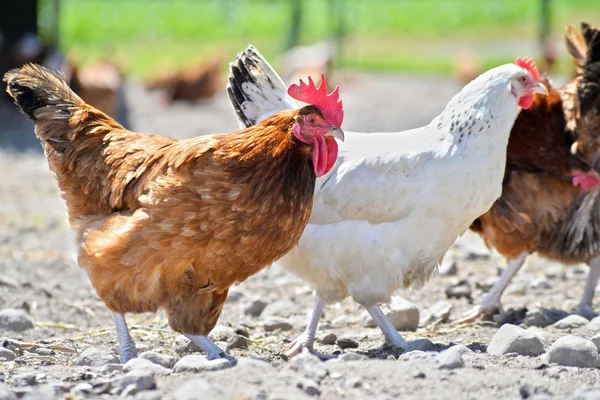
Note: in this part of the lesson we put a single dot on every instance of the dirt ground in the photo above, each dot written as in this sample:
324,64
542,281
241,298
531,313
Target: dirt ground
38,272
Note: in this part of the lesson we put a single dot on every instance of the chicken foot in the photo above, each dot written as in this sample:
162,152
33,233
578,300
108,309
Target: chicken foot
126,343
585,305
491,303
390,333
307,339
212,350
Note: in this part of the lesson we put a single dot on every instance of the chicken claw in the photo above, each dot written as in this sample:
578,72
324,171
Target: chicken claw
212,350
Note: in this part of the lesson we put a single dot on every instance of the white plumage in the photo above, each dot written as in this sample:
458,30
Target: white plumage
394,203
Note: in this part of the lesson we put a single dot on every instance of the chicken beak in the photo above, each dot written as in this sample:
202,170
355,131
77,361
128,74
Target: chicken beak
539,87
337,133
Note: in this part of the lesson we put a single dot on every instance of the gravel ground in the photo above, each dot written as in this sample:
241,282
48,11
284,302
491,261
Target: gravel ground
57,338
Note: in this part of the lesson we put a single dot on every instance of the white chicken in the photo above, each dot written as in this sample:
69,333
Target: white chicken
393,204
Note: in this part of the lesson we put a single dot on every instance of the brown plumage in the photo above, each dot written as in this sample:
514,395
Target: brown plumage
170,224
540,210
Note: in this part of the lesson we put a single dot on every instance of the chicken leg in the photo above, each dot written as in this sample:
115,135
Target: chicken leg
126,343
390,333
307,339
491,303
212,350
585,305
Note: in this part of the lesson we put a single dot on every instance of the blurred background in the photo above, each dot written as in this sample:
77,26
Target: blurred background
160,66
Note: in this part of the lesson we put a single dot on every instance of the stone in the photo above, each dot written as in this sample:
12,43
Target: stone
183,345
439,312
255,307
134,381
145,365
347,343
309,387
543,317
420,345
281,308
327,339
277,323
451,358
448,267
221,333
6,354
513,339
403,315
110,368
16,320
574,351
571,322
197,363
234,295
594,324
459,290
352,357
96,357
158,358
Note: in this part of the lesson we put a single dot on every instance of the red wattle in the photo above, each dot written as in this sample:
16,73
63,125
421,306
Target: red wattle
319,155
526,101
587,180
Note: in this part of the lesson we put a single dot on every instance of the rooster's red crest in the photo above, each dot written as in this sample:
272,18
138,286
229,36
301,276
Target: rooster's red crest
330,105
529,65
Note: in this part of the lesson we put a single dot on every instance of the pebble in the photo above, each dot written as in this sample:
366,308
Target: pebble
418,355
540,284
183,345
596,340
255,308
226,334
571,322
451,358
6,354
460,289
352,357
347,343
145,365
574,351
274,323
513,339
16,320
439,312
327,339
281,308
160,359
594,324
82,388
109,368
448,267
234,295
420,345
403,315
134,381
195,389
96,357
309,387
197,363
543,317
11,344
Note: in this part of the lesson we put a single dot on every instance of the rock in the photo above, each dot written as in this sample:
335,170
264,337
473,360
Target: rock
403,315
352,357
461,348
309,387
274,323
252,365
95,357
82,388
183,345
8,281
234,295
513,339
347,343
439,312
197,363
596,340
148,395
281,308
16,320
451,358
327,339
255,308
543,317
134,381
594,324
158,358
418,355
6,393
448,267
528,391
460,289
226,334
195,389
7,354
540,284
574,351
145,365
420,345
11,344
109,368
571,322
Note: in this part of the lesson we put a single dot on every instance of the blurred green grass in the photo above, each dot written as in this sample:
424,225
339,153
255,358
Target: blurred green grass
145,37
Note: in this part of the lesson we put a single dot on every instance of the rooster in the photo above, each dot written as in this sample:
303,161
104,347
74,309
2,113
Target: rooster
540,210
168,224
395,202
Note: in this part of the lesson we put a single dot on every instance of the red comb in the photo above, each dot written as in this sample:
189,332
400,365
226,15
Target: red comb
330,105
529,65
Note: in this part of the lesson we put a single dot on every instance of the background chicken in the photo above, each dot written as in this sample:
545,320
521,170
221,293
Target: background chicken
173,224
395,202
540,210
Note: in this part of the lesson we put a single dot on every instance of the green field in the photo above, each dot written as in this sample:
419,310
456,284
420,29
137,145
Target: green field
418,35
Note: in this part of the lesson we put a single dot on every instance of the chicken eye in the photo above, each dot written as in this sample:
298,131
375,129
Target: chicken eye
523,79
312,120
